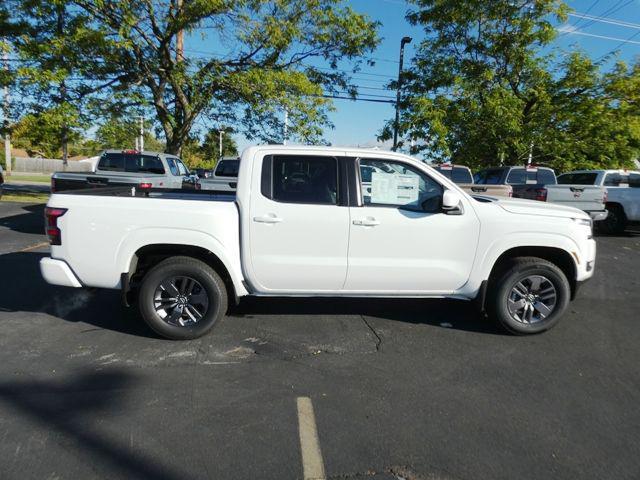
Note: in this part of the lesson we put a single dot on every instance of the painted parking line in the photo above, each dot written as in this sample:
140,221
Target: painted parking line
312,464
35,247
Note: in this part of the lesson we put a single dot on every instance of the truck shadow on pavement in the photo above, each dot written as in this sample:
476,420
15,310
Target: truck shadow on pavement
74,408
30,221
28,292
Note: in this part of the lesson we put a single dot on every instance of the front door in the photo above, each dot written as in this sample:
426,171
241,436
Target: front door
401,241
299,233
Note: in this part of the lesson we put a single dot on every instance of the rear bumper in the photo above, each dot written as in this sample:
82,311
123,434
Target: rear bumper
57,272
599,215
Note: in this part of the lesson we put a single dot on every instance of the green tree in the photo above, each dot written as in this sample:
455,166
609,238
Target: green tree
210,147
267,69
480,90
122,133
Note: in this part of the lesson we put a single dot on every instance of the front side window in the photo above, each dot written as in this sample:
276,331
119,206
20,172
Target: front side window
303,179
389,183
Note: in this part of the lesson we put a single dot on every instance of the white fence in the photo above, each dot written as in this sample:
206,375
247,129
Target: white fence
48,165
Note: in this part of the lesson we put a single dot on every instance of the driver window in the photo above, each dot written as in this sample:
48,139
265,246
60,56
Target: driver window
388,183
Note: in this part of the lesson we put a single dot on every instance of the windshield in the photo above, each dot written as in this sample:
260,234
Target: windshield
130,162
228,168
457,174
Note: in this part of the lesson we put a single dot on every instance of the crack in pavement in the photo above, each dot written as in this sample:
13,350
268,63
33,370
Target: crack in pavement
378,338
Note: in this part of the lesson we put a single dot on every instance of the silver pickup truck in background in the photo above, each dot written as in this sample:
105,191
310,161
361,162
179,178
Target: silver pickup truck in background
623,194
129,168
463,177
540,183
224,177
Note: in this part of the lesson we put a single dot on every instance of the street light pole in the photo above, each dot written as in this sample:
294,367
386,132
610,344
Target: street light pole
396,124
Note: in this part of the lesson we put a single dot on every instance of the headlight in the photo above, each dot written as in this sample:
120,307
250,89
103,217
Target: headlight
586,222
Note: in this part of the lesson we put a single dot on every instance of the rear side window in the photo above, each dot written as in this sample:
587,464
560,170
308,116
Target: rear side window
577,179
634,180
228,168
301,179
130,162
173,167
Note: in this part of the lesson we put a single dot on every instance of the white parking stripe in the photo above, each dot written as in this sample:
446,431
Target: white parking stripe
312,464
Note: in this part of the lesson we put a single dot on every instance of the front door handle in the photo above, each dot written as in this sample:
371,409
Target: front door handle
271,218
367,222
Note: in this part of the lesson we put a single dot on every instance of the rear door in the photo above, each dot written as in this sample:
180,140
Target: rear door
299,224
401,242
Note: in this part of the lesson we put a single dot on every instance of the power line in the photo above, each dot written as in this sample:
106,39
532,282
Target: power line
624,42
611,21
604,37
609,11
586,13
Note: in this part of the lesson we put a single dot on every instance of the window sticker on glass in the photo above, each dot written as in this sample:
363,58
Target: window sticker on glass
394,189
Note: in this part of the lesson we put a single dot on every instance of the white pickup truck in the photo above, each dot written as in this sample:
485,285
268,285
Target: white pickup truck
301,224
623,194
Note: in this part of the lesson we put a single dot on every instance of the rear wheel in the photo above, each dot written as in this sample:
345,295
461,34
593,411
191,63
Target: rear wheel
182,298
616,220
529,296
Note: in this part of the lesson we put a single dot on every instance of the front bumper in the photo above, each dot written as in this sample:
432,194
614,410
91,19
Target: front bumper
599,215
57,272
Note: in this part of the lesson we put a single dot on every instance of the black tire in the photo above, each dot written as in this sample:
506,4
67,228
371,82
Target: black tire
502,289
207,282
616,221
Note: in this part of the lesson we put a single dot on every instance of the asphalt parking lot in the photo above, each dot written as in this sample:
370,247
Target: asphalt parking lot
411,389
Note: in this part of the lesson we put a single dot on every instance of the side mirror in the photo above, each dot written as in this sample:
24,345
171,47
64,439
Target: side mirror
452,203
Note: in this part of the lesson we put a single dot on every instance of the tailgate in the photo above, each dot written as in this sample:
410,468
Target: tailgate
585,197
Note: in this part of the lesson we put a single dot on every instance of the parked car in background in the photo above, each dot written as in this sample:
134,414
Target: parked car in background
132,169
623,194
202,172
540,183
225,176
462,176
301,224
1,180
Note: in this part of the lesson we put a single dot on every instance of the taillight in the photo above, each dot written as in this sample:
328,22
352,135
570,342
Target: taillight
198,186
145,186
51,216
510,191
541,194
605,197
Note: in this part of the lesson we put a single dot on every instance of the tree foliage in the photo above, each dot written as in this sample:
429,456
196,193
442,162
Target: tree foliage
481,90
260,68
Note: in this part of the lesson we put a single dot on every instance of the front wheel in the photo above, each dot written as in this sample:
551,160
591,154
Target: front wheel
182,298
529,296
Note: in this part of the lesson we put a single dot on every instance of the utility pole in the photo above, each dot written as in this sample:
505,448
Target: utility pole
220,142
63,91
179,36
286,126
141,141
396,124
7,135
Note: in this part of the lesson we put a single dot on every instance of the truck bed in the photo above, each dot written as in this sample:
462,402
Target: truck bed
158,193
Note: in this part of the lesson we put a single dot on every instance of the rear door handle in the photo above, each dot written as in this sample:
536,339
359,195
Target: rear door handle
366,222
272,218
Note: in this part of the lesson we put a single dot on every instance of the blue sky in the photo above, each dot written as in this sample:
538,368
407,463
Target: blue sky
357,123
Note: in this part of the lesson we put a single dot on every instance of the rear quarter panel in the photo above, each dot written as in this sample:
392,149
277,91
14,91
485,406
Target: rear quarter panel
101,234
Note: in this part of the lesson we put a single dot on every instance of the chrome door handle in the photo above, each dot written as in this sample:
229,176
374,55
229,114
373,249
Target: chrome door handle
267,219
367,222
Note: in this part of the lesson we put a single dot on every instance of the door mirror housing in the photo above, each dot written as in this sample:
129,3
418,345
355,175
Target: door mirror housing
452,202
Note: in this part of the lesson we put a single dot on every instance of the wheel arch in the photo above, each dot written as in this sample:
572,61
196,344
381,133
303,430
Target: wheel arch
563,259
146,257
